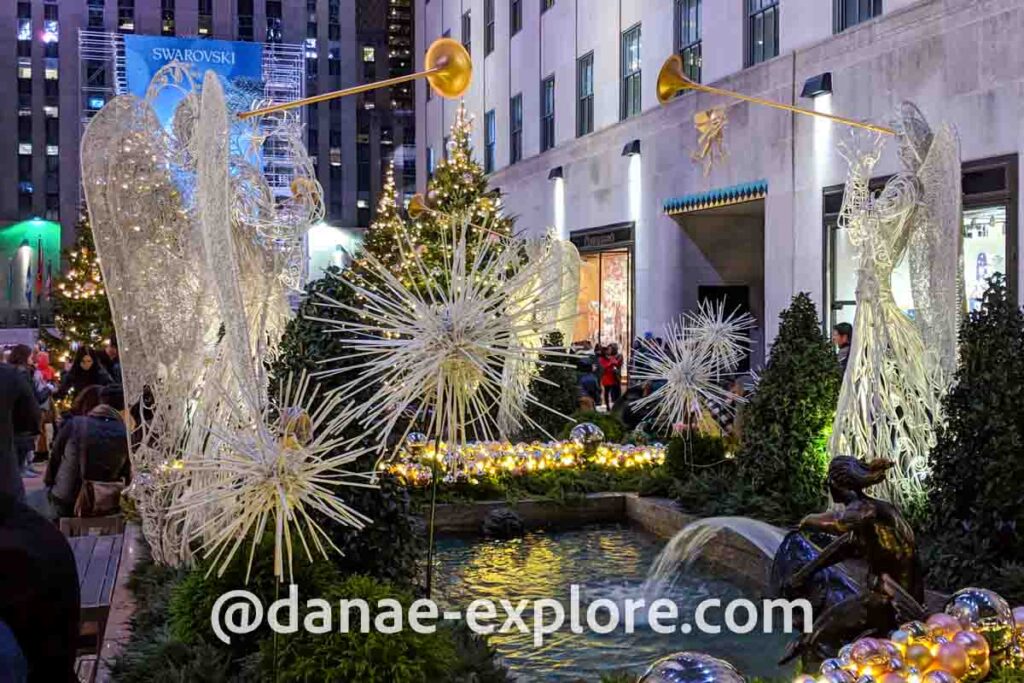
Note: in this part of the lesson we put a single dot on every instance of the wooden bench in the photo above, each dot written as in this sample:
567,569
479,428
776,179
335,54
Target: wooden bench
97,559
95,526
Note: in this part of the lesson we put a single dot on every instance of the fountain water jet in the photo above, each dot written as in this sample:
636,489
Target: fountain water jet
689,543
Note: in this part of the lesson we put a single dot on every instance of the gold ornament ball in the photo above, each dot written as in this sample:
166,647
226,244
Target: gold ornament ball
974,644
919,656
839,676
939,676
892,677
891,648
901,638
915,630
944,625
952,658
865,651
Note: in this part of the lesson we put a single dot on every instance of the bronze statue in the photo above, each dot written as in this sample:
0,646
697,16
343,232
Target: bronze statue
858,528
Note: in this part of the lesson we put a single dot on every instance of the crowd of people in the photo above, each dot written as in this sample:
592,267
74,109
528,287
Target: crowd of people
75,422
74,419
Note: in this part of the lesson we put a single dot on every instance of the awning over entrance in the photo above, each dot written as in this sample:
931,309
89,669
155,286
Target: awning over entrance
737,194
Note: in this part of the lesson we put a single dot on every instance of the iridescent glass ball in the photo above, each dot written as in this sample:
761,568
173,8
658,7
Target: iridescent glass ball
985,612
691,667
416,443
587,434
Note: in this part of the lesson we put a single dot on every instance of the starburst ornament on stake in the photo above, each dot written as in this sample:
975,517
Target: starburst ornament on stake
698,351
281,469
439,349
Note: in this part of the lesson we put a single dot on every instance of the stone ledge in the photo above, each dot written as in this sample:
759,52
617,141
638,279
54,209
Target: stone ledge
596,508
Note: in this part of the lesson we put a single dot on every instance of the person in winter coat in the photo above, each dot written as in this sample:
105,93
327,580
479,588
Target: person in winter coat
85,371
19,414
611,368
100,438
39,596
25,442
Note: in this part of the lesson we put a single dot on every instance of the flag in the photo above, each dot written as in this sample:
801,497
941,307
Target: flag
28,285
48,289
39,273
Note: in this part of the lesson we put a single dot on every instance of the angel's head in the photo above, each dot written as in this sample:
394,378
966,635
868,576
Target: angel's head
915,136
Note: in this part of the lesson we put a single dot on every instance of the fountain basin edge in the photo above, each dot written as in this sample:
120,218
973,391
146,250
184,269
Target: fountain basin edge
728,556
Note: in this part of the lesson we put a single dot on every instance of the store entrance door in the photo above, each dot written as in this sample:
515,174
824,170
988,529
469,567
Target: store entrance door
605,303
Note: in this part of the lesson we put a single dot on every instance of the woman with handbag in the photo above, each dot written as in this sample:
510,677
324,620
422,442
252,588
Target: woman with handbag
93,467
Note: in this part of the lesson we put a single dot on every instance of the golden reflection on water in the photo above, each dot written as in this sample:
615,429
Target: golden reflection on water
607,562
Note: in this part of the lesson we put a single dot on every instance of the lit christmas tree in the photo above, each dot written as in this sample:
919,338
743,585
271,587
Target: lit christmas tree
459,186
81,309
389,237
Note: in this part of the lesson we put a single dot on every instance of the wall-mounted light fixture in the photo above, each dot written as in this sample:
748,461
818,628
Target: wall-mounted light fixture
556,173
632,148
818,85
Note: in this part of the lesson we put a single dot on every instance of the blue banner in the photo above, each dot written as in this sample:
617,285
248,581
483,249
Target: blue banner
239,64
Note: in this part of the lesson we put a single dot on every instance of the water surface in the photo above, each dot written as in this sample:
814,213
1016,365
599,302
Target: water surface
607,562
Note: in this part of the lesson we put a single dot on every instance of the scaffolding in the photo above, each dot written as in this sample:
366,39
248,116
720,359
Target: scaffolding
104,76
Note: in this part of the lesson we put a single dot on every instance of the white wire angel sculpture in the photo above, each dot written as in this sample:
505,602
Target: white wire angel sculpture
890,401
198,252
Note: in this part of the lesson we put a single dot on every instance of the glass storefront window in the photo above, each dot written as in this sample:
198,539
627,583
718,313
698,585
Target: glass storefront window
984,233
984,250
606,299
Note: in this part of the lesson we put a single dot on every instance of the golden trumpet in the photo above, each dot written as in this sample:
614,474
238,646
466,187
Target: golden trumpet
449,70
672,80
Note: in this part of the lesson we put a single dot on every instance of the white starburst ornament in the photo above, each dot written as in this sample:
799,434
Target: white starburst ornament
281,468
688,369
440,352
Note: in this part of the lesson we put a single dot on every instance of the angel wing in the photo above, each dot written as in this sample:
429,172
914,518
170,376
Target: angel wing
213,198
936,249
146,239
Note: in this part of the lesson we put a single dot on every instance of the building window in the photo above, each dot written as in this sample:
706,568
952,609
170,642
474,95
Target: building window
515,16
24,148
430,162
515,128
167,17
467,30
545,5
205,17
245,20
762,30
989,232
126,16
50,70
547,113
688,37
369,53
488,27
847,13
95,14
274,33
630,72
490,141
585,94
